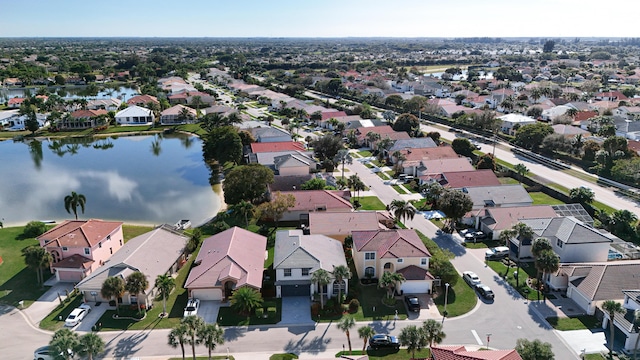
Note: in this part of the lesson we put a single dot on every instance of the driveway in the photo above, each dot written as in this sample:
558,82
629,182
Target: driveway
48,301
96,313
296,310
209,310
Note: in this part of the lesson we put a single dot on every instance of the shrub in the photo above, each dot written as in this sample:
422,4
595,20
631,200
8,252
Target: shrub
354,304
315,309
34,229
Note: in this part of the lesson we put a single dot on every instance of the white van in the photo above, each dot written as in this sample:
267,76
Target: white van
499,252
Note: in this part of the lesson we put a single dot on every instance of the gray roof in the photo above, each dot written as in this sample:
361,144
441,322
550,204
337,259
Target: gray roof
603,280
295,250
413,143
488,196
267,132
567,229
269,158
152,253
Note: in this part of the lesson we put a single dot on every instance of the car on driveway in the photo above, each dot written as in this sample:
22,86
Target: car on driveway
471,278
192,307
379,341
497,253
413,304
475,235
485,291
77,315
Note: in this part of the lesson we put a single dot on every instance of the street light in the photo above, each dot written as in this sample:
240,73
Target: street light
446,294
488,338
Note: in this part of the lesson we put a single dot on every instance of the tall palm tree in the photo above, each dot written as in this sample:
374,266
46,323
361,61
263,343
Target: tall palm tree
402,210
347,323
245,300
322,278
71,203
611,308
164,284
64,341
244,209
341,273
413,338
178,337
37,258
90,344
343,156
522,232
113,287
390,280
547,261
522,170
136,283
433,332
366,333
372,137
193,324
211,335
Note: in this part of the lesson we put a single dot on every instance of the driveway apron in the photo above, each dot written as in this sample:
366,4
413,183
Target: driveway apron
296,310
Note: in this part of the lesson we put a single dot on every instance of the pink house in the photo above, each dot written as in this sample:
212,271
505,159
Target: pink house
79,247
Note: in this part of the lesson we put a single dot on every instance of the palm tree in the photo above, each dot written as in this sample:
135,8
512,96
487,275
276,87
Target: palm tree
113,287
322,278
245,300
372,137
433,332
90,344
37,258
178,336
636,326
64,341
71,202
343,156
193,324
347,323
413,338
402,209
546,261
340,273
521,169
522,232
365,333
211,335
136,283
390,280
164,284
244,209
611,308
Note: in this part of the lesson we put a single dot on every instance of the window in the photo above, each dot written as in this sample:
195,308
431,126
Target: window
370,256
305,271
120,242
64,248
339,286
369,272
287,272
110,250
423,261
108,237
400,261
87,251
559,243
100,244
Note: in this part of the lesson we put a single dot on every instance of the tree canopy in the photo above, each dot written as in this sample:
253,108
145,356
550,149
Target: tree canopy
248,183
530,136
407,122
223,144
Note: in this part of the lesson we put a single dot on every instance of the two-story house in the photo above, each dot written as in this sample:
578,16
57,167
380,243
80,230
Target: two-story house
79,247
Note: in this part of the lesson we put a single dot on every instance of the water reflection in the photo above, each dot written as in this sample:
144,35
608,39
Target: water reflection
120,177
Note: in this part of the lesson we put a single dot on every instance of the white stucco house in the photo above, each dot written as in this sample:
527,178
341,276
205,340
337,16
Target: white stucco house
135,115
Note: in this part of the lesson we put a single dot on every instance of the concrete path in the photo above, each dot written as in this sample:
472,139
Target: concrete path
48,301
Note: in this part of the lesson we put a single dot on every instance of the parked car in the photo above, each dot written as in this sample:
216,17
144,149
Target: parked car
47,353
413,304
384,341
192,307
496,253
77,315
485,291
471,278
475,235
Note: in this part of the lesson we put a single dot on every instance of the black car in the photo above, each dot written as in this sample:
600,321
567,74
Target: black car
384,341
413,304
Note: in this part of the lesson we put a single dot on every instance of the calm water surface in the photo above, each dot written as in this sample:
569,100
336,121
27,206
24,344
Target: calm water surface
136,179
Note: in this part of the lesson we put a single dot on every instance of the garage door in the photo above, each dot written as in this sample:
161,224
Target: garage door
207,294
296,290
415,287
69,276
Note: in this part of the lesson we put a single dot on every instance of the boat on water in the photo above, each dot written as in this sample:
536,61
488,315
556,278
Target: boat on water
183,224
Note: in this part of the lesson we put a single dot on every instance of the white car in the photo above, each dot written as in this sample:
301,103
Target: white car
47,353
77,315
192,307
471,278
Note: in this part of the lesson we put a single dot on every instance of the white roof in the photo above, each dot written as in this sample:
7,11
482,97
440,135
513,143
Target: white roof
134,110
517,118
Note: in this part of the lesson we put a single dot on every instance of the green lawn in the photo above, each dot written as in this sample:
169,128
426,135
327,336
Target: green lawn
482,244
55,320
365,153
131,231
460,300
574,323
382,175
283,356
508,181
371,306
526,271
399,189
540,198
386,354
272,307
371,203
594,357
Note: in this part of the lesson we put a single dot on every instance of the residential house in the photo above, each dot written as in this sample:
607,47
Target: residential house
627,128
570,238
629,112
432,170
569,130
294,164
461,179
166,246
14,103
340,225
270,134
609,96
277,146
414,159
227,261
511,122
104,104
498,196
178,114
297,256
308,201
411,144
555,112
79,247
397,250
135,115
82,119
459,352
625,322
495,219
188,97
17,122
142,100
288,183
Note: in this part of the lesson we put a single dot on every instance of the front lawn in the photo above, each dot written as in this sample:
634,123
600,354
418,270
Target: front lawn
371,306
270,307
575,323
386,354
55,320
482,244
364,153
400,190
540,198
526,271
370,203
460,300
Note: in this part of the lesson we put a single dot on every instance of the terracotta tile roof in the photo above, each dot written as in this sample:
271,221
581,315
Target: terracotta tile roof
585,115
428,168
326,115
142,99
14,101
397,243
310,200
634,145
453,352
603,280
343,223
80,114
234,253
498,218
440,152
74,261
413,272
79,233
276,146
459,179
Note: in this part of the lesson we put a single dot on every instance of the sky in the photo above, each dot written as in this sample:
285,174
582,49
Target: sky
318,18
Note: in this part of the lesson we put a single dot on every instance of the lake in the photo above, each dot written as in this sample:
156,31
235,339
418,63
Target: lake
136,179
72,92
